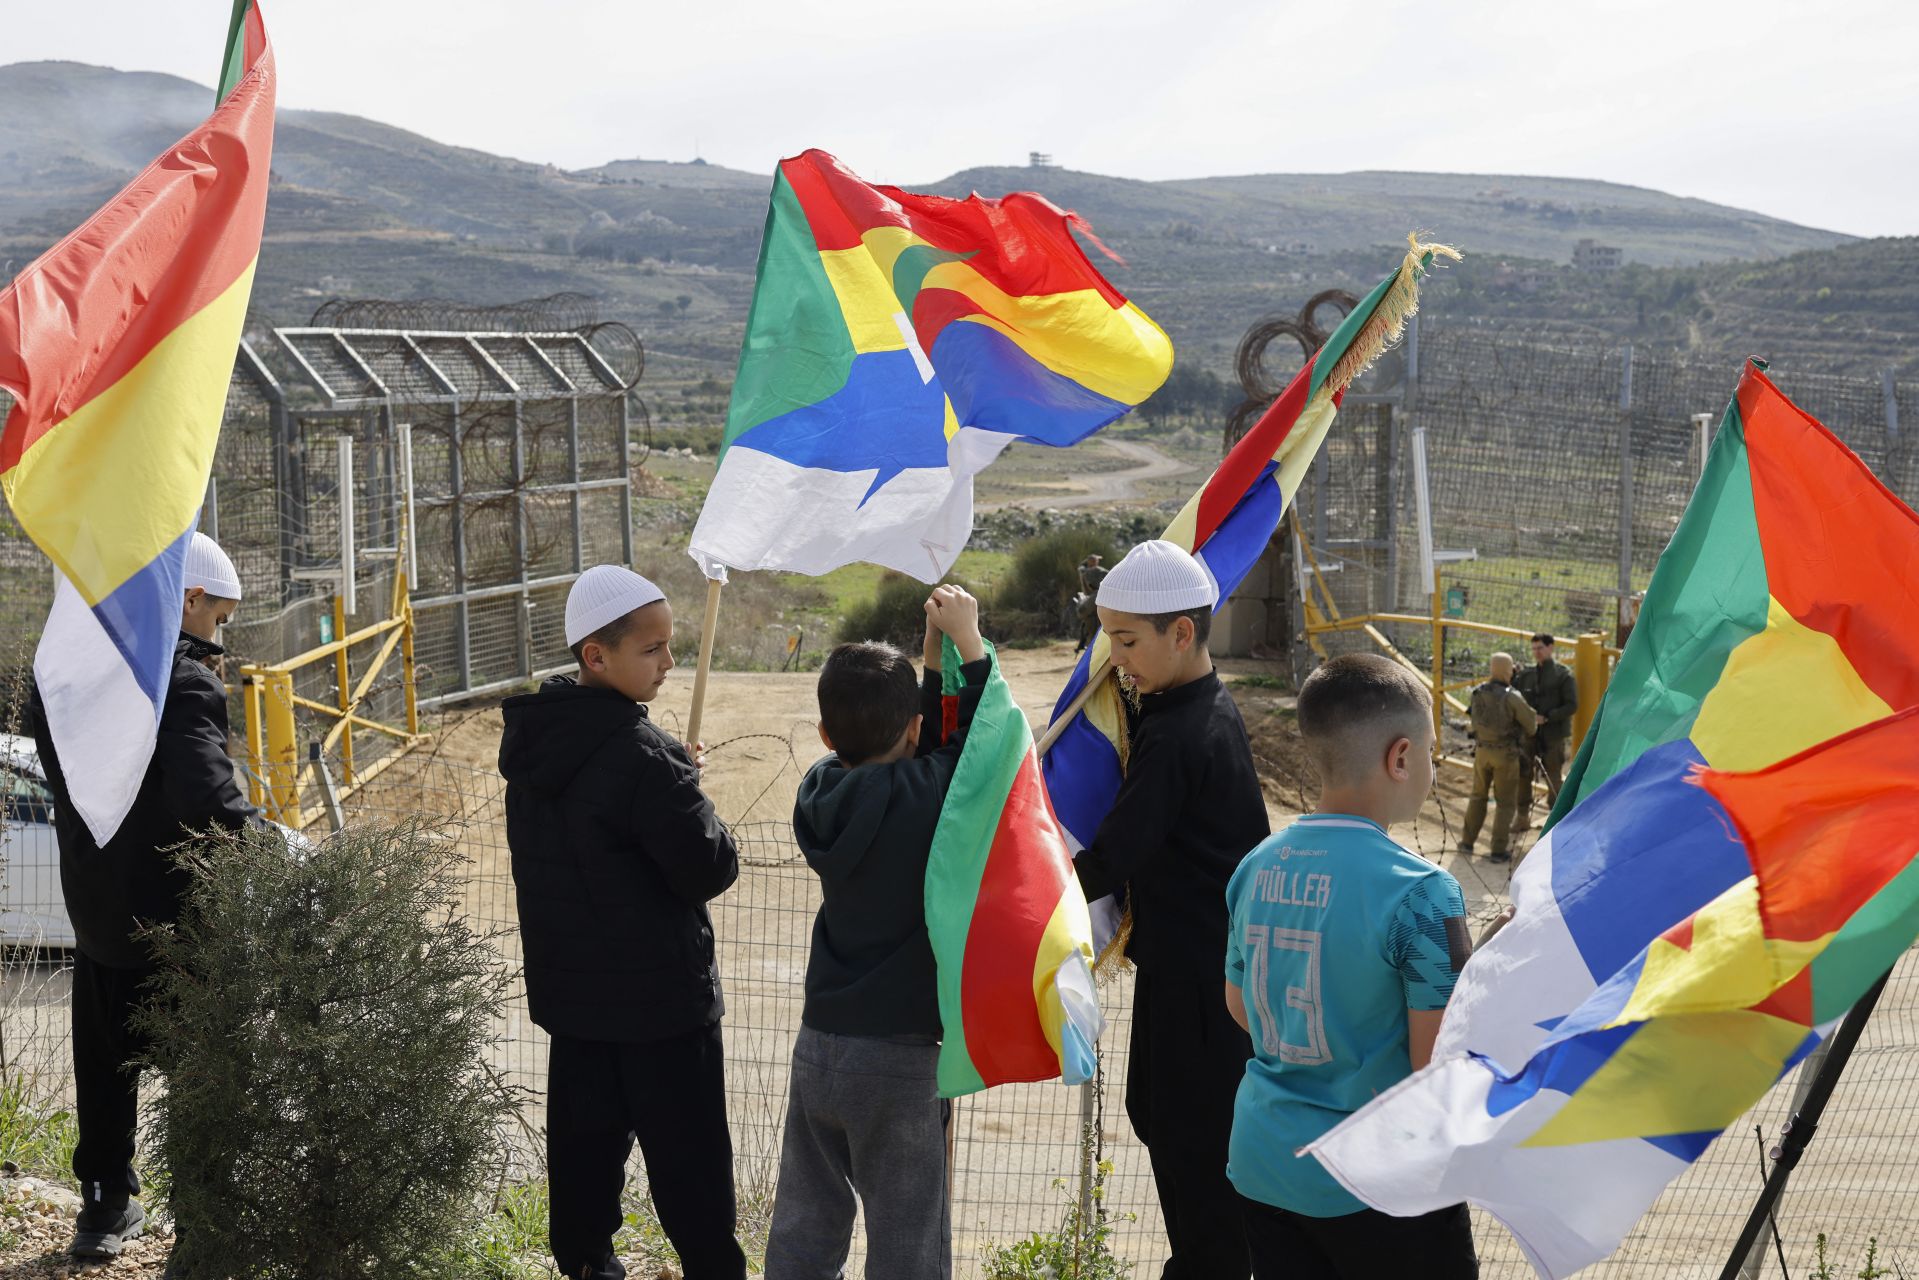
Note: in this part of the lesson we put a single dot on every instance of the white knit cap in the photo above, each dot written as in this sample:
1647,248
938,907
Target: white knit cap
1158,577
209,569
603,593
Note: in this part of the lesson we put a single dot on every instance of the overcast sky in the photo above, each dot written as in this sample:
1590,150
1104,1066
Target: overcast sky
1803,111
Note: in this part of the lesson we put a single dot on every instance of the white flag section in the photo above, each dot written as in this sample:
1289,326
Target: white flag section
103,723
1439,1138
765,512
1534,1036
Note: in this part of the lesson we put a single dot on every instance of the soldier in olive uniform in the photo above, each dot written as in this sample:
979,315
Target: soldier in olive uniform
1551,691
1091,574
1503,724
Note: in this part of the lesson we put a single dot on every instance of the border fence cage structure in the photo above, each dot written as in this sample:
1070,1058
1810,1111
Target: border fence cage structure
1561,470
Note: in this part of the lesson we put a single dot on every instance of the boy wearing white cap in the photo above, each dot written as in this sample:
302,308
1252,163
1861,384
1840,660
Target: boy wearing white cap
616,852
1189,809
115,889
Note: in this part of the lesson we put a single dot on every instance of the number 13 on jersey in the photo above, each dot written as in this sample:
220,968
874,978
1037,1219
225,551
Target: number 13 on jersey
1261,941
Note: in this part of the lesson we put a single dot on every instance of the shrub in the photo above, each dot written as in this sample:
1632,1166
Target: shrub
896,614
1080,1250
321,1021
1035,597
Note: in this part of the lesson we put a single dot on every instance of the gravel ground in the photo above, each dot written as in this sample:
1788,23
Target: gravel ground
36,1225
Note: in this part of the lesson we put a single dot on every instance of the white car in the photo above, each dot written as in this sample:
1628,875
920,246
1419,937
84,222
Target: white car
33,911
33,907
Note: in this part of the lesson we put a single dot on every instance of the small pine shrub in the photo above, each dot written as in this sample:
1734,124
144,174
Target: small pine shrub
321,1021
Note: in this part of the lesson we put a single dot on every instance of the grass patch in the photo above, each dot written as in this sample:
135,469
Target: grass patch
509,1241
39,1139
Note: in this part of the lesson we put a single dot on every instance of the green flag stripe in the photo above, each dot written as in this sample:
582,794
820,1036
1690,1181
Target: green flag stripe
797,349
234,64
1327,357
1708,593
1866,945
995,745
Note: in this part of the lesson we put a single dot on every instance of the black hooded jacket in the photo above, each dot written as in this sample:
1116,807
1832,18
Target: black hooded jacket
114,889
866,832
616,852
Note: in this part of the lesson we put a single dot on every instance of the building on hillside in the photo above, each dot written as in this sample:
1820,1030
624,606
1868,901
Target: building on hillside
1590,255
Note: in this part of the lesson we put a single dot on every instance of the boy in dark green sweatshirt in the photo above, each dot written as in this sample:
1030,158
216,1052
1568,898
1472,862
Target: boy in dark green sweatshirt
865,1119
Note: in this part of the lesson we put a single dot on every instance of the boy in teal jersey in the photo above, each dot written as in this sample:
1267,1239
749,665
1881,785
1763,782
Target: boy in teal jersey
1342,952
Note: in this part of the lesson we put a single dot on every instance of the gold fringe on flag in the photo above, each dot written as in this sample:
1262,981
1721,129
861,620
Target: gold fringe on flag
1380,331
1388,321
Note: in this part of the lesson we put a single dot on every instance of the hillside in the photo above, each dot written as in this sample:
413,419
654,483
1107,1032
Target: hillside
1331,212
360,208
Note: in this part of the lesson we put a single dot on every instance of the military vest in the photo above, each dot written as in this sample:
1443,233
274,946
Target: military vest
1492,715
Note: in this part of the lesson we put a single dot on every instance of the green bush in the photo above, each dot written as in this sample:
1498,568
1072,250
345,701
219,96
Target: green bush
1036,595
1079,1250
895,615
322,1020
37,1138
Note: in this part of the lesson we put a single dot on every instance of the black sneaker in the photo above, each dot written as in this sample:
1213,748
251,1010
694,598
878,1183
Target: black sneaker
101,1231
1466,848
1499,855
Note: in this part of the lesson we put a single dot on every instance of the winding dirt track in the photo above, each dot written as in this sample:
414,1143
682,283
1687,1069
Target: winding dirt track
1102,487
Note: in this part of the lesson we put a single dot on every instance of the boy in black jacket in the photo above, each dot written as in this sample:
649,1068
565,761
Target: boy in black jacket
865,1118
112,890
1188,811
616,852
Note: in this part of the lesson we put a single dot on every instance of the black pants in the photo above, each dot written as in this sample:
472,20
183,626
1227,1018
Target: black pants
1187,1057
671,1095
1368,1245
106,1086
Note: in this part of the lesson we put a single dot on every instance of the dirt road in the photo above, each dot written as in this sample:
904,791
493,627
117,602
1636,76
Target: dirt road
1097,488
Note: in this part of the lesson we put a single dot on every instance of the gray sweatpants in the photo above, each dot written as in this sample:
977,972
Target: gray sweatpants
865,1119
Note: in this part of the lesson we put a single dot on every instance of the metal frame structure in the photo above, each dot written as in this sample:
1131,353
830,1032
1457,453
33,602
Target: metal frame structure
376,377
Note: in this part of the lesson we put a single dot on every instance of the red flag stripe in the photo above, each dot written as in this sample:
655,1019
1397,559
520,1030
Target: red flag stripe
80,329
1026,875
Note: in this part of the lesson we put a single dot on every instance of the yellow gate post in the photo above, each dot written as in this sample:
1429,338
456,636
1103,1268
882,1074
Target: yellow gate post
343,677
282,751
1439,665
403,609
1591,673
250,695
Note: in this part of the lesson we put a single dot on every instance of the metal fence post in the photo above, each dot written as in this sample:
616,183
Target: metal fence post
1625,473
524,631
407,514
456,440
1891,387
626,489
347,567
573,475
1088,1158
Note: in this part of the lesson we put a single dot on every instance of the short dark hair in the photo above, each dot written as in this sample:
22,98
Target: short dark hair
607,636
1543,637
1354,706
1202,618
868,695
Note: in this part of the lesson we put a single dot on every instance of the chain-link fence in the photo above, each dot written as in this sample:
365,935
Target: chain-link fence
1556,475
1018,1153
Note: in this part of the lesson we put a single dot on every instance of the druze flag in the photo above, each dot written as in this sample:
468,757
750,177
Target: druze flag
1005,914
1227,525
1730,868
896,344
117,345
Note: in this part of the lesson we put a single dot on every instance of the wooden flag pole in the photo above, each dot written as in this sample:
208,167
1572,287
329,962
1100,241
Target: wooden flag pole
708,626
1073,708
